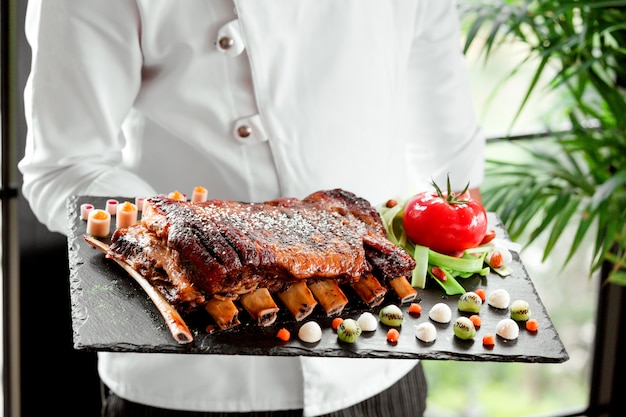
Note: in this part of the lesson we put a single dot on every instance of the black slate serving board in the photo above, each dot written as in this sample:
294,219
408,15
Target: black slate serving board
110,312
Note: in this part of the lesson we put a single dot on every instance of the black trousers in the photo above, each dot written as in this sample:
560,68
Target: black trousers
406,398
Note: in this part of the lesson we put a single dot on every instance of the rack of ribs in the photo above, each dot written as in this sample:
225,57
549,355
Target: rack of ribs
210,254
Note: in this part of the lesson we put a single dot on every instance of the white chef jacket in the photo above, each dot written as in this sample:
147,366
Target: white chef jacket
252,100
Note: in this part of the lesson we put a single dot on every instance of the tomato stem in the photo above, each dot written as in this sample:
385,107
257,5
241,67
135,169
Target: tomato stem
451,197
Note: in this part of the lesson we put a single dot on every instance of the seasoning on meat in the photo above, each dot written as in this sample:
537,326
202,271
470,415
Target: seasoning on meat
196,252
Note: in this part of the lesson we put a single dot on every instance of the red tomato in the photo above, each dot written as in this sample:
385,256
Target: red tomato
445,223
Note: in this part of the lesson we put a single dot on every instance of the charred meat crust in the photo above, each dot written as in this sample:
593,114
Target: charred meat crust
147,255
225,248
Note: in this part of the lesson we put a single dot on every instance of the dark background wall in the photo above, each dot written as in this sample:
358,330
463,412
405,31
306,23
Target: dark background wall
51,368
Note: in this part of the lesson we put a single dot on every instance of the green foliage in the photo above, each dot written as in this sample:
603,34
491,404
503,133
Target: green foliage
495,389
581,176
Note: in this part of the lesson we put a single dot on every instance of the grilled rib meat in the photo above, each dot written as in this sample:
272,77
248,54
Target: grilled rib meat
196,251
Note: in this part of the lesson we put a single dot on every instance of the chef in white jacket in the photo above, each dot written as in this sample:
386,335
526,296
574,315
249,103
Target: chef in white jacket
252,100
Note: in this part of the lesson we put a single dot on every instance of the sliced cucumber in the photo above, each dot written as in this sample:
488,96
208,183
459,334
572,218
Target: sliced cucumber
483,272
418,278
390,218
451,286
463,264
503,271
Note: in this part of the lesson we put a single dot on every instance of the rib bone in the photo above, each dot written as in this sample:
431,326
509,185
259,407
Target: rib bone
177,326
260,305
299,300
370,290
330,296
403,289
224,312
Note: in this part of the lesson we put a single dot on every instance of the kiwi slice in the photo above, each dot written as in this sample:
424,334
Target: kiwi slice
520,310
391,315
464,328
349,331
470,302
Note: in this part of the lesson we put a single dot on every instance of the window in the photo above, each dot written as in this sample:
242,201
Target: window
570,294
496,389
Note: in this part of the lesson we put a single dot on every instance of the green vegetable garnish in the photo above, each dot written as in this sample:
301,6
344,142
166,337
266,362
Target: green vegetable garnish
473,261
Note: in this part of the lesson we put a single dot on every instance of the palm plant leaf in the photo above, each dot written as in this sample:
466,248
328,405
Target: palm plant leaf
531,88
619,278
581,43
609,224
585,222
560,224
552,211
606,190
527,208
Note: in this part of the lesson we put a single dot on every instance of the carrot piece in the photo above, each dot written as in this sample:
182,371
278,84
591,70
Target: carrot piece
481,293
438,273
336,322
532,325
393,335
489,236
475,318
489,340
283,334
415,309
391,203
496,260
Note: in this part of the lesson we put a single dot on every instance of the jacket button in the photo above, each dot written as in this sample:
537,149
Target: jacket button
226,42
244,131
